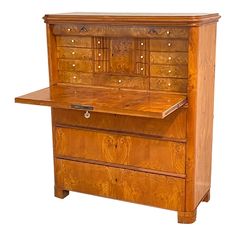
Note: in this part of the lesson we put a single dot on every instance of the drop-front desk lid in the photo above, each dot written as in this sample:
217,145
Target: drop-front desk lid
107,100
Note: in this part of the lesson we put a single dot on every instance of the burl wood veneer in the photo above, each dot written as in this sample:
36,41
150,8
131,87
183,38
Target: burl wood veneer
132,106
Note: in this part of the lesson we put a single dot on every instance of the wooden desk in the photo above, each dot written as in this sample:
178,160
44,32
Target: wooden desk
132,106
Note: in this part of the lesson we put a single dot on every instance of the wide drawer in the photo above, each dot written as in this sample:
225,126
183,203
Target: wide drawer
74,53
75,65
121,31
71,41
168,45
180,58
133,186
170,71
110,147
173,127
169,84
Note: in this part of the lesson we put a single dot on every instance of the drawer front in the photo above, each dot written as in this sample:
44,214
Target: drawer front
170,71
75,77
172,127
75,65
122,81
108,147
133,186
180,58
170,45
74,53
169,84
71,41
121,31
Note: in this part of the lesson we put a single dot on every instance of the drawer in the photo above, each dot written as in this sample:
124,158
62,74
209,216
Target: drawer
180,58
75,77
169,84
122,81
170,45
81,42
114,148
121,31
75,65
121,184
172,127
74,53
180,71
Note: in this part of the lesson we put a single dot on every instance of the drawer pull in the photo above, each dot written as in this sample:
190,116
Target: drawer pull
82,107
87,114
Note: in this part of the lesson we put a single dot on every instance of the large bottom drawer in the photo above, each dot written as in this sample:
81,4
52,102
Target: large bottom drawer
133,186
111,147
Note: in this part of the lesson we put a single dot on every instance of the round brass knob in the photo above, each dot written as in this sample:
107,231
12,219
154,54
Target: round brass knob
99,54
169,84
141,57
68,29
119,80
169,58
73,65
99,67
141,43
73,53
87,114
169,71
169,44
167,32
74,77
99,42
72,40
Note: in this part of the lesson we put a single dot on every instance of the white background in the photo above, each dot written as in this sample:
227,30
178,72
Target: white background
27,204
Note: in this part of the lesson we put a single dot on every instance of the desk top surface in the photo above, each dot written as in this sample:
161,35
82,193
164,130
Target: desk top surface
107,100
135,18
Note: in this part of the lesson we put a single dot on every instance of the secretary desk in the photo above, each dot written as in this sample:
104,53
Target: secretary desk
131,99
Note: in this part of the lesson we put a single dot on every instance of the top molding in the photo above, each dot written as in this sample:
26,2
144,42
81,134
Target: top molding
176,19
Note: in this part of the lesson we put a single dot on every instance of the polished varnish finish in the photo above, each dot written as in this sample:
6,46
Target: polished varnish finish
132,97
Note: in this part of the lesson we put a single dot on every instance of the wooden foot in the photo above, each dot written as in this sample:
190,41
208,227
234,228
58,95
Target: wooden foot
206,197
187,217
60,193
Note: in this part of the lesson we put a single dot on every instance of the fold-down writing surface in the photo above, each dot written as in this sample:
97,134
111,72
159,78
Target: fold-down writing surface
107,100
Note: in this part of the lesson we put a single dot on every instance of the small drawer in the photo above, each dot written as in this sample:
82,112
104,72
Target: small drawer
169,58
120,149
75,65
167,84
75,77
74,41
170,45
170,71
142,69
123,184
74,53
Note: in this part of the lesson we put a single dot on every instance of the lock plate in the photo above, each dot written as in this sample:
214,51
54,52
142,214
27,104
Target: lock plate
82,107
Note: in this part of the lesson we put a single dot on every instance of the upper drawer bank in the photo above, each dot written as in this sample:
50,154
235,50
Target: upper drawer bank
121,30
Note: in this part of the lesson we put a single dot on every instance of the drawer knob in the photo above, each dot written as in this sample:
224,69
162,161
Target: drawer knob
73,53
74,77
69,29
141,43
169,84
87,114
99,42
169,71
169,58
141,68
99,67
72,40
119,81
169,44
141,57
99,54
73,65
168,32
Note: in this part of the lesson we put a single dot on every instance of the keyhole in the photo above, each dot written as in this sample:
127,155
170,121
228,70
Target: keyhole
116,146
116,179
